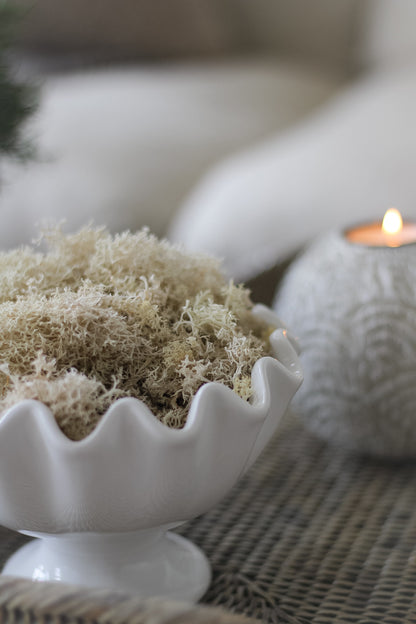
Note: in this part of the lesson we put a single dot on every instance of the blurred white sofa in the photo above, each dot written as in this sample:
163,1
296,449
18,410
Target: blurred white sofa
136,106
238,128
125,146
345,163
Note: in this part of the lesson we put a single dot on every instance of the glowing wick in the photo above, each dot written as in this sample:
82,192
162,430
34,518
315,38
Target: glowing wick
392,221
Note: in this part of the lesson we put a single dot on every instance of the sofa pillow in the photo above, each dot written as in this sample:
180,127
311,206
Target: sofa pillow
124,147
347,163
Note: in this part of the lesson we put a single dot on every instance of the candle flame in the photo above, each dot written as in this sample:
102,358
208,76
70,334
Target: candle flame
392,221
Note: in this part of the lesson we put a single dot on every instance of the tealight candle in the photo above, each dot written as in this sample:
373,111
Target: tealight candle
391,232
351,300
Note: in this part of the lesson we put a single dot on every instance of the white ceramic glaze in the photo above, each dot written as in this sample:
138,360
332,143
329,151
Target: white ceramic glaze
102,506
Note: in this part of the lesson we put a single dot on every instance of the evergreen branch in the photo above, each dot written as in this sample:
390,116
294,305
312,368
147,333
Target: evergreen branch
17,99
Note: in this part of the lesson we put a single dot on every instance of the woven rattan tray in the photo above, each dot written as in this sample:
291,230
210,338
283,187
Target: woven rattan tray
311,534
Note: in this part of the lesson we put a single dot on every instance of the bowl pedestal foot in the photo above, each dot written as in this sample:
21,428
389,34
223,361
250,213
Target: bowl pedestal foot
147,563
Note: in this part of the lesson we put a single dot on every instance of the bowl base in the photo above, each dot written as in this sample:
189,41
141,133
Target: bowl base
146,563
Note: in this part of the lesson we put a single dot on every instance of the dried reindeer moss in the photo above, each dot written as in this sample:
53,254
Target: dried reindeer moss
95,318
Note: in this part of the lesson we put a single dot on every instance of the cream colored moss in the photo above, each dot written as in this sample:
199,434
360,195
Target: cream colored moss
93,318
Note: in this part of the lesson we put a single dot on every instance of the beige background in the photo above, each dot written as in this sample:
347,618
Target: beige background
322,30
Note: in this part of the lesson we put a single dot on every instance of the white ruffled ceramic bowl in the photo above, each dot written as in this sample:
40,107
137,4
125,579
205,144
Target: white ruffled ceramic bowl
103,506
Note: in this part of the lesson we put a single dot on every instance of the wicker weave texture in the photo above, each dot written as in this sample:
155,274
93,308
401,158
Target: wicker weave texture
315,534
22,601
312,534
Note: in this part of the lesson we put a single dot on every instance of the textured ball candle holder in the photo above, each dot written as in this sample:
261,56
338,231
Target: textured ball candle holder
351,301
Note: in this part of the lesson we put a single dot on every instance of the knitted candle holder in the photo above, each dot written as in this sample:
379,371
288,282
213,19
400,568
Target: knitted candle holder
353,309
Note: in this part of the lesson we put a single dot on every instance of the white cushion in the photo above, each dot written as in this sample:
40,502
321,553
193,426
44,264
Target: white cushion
125,147
347,163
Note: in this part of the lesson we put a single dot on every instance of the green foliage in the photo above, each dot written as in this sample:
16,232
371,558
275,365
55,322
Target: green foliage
17,100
